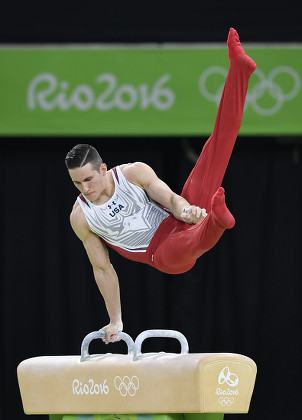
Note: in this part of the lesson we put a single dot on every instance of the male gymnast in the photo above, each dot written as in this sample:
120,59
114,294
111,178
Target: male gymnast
131,210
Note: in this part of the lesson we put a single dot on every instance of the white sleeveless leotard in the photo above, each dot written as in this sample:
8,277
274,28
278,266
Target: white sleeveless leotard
129,219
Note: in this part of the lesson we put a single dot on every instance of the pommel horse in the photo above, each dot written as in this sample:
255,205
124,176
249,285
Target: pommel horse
190,385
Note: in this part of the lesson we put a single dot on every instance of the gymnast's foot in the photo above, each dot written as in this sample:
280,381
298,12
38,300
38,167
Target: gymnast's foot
221,214
236,50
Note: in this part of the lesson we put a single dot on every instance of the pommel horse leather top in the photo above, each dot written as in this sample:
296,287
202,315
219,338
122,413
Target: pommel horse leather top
137,382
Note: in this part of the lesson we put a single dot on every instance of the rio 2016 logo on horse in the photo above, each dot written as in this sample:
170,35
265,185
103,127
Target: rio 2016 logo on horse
227,396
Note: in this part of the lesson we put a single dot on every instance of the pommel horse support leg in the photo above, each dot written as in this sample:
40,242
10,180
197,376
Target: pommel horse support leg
160,386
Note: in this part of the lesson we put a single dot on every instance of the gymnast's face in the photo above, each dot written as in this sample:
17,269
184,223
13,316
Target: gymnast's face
89,181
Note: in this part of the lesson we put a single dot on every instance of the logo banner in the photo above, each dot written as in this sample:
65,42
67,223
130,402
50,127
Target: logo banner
150,91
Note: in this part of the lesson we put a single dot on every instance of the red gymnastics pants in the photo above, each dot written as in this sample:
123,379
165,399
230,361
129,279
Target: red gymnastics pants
176,245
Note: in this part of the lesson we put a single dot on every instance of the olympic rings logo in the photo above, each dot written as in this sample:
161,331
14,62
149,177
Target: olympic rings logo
226,401
266,85
126,385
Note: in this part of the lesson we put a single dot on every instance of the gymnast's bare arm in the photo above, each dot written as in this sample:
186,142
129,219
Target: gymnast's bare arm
104,273
144,176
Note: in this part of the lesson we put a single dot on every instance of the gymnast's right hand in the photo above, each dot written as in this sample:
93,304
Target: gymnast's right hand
193,214
111,331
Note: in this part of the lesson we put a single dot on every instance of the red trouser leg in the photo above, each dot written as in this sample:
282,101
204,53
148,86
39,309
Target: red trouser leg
176,245
206,177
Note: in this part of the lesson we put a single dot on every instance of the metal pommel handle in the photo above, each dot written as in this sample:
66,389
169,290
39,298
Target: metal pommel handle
161,334
102,334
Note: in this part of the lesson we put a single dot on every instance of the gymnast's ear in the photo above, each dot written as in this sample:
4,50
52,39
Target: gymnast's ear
103,168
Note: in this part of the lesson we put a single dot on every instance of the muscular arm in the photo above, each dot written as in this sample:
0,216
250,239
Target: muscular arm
143,175
104,273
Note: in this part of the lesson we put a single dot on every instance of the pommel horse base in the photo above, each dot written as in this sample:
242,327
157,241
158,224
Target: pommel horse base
197,386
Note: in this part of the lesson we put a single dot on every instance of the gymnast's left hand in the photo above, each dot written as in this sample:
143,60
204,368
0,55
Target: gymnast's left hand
111,331
193,214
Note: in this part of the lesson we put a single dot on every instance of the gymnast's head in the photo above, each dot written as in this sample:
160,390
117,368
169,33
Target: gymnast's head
82,154
87,170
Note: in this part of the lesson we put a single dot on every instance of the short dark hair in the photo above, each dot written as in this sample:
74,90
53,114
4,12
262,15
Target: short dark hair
81,154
